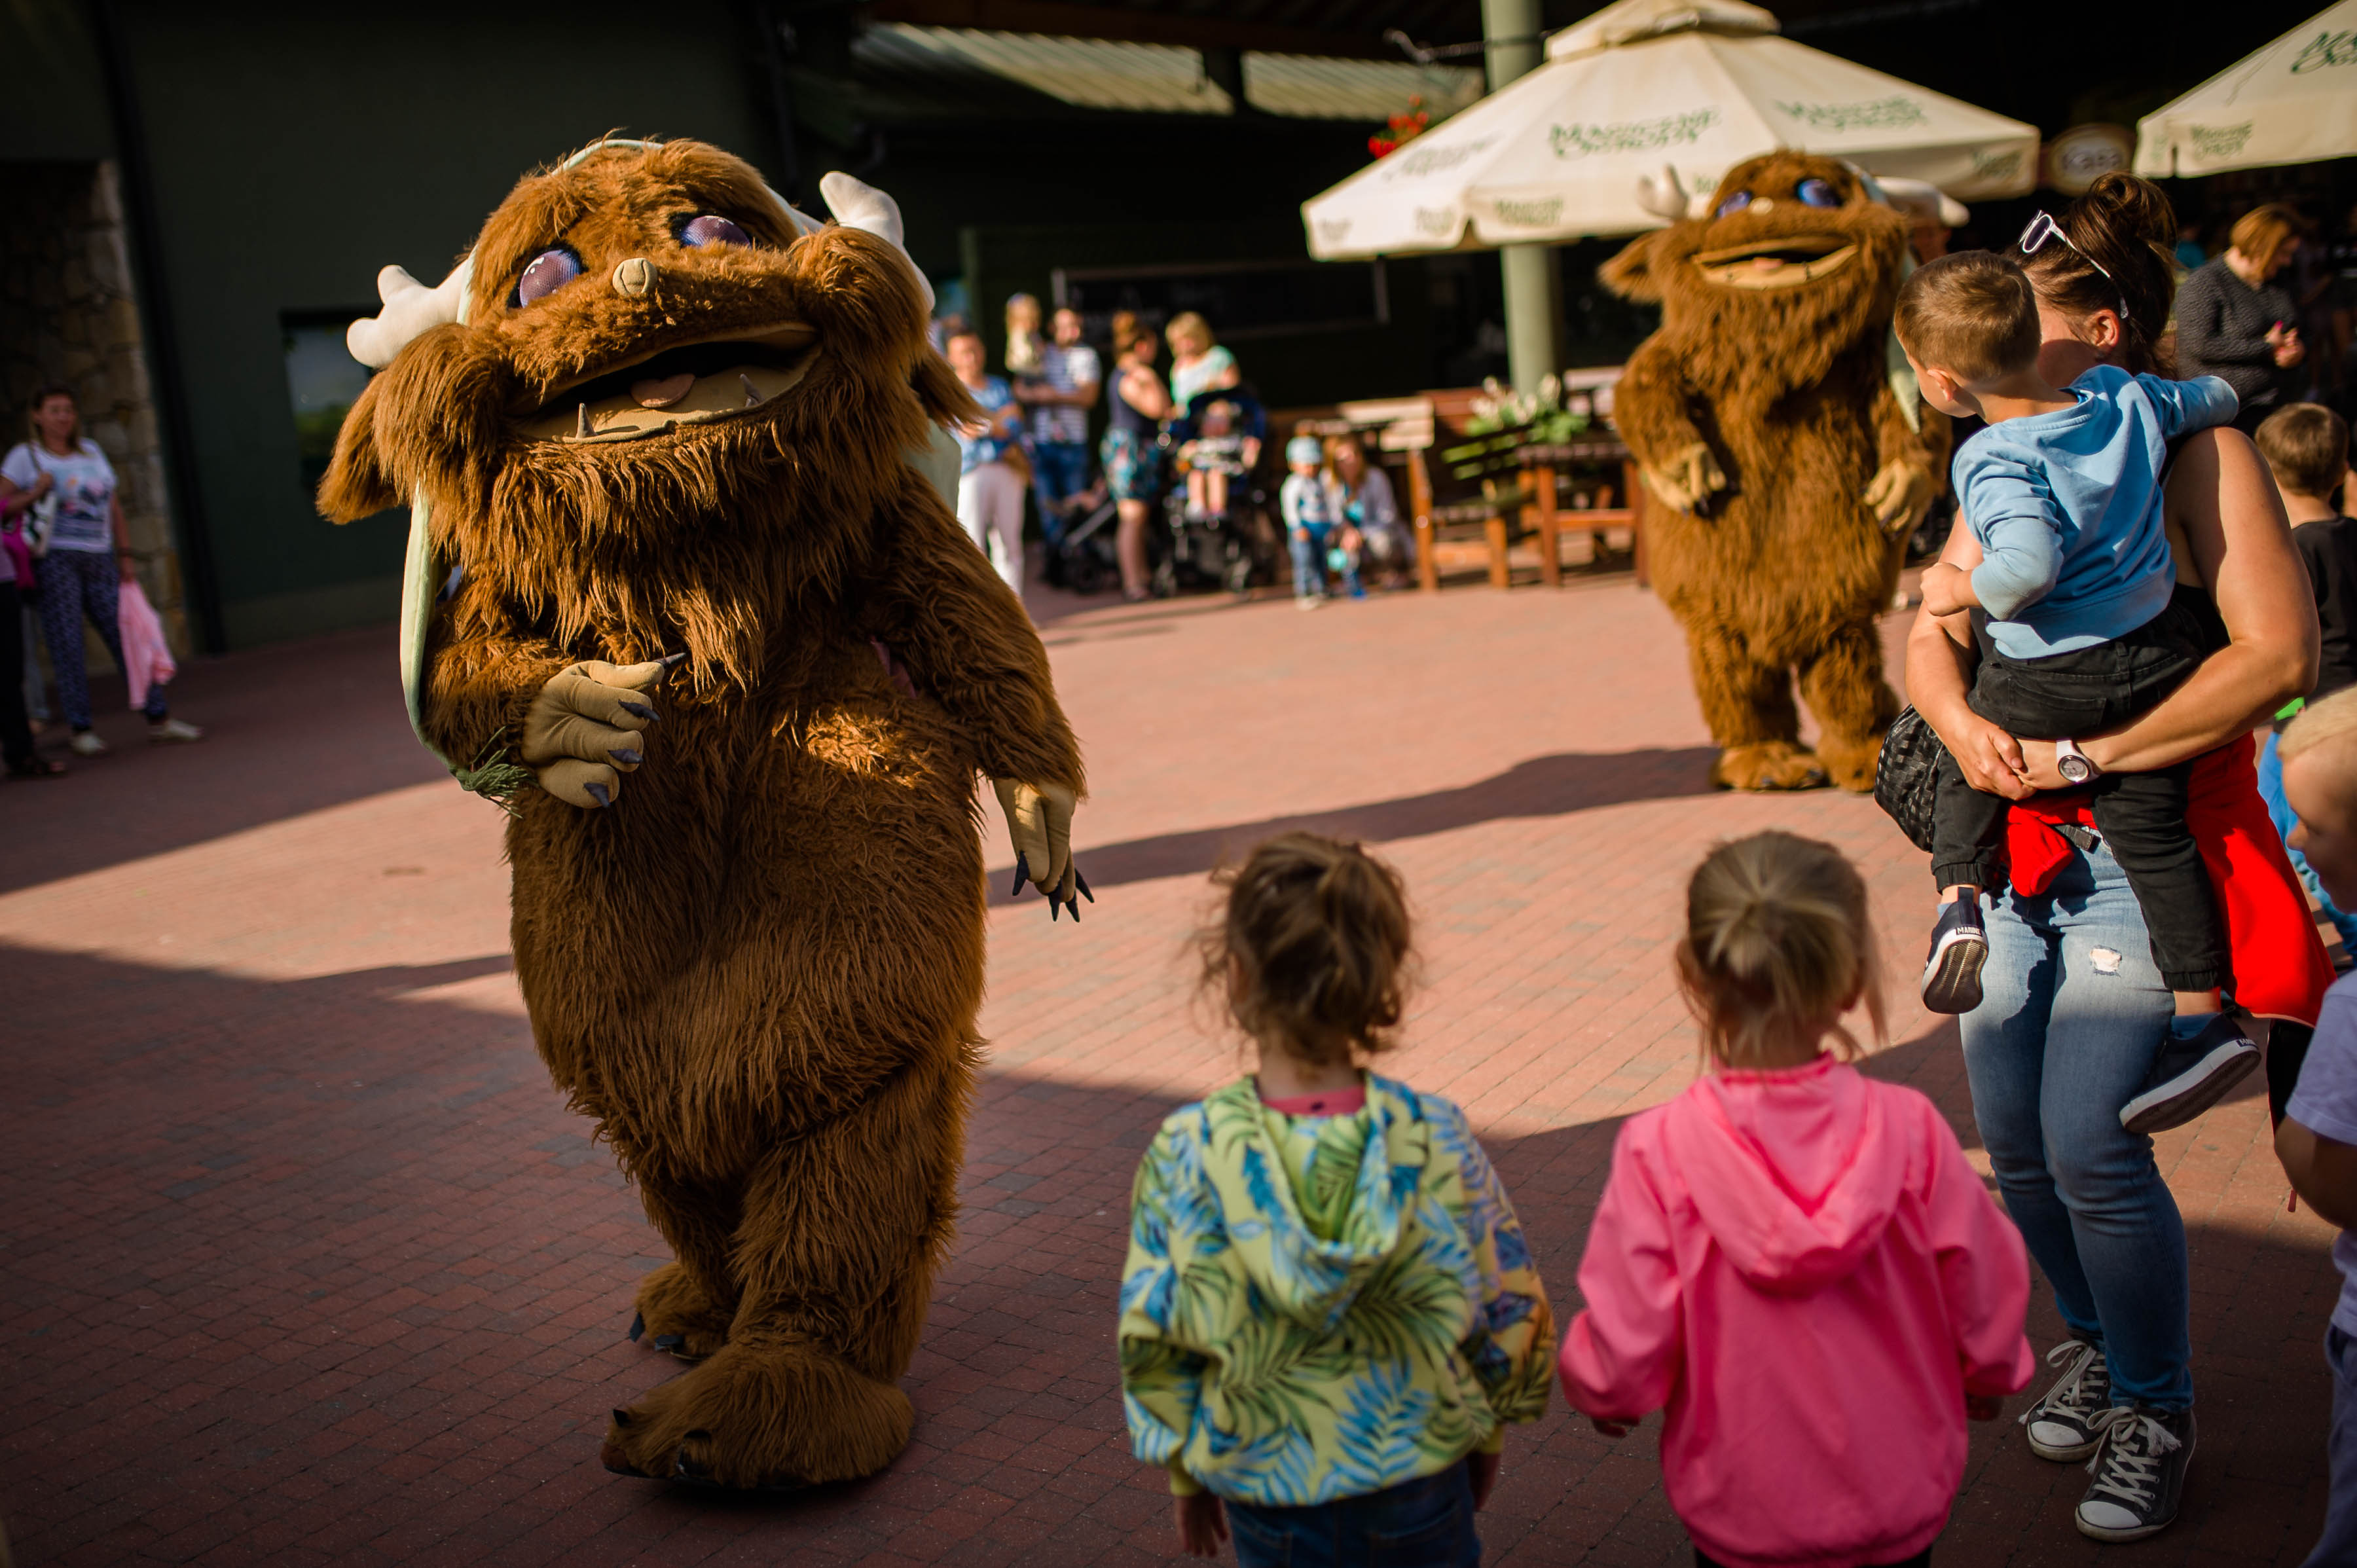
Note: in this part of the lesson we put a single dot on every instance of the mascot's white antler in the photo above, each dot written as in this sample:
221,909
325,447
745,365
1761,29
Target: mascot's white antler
1663,196
858,205
410,310
1920,199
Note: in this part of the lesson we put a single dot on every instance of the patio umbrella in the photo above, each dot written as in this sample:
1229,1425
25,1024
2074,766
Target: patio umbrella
2295,101
1693,87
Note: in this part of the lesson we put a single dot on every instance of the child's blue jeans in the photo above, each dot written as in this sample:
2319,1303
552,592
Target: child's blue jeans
1427,1521
1308,547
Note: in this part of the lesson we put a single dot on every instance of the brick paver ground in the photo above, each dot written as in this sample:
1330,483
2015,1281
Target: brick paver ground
306,1265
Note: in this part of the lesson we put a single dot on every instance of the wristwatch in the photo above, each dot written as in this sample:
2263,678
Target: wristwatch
2075,766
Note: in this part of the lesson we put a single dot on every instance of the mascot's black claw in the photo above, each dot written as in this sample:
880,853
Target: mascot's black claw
1082,884
1022,873
638,1326
671,660
690,1469
628,756
670,1341
639,711
621,1417
600,793
1074,906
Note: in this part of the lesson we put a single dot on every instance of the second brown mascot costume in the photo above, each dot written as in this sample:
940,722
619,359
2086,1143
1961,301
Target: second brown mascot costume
658,415
1789,468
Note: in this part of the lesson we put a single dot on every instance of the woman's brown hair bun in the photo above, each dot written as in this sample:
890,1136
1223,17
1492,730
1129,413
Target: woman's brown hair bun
2124,226
1312,953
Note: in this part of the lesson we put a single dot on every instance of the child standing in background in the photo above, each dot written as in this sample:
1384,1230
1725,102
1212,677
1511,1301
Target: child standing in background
1311,509
1328,1314
1794,1259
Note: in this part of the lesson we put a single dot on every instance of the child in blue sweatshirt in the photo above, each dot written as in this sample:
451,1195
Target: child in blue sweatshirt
2079,630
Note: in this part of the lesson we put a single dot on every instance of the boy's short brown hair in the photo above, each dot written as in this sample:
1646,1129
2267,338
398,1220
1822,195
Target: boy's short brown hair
1971,314
2306,445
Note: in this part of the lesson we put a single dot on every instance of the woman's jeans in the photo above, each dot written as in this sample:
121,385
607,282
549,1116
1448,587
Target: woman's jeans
1424,1523
75,583
2072,1015
1059,471
2271,791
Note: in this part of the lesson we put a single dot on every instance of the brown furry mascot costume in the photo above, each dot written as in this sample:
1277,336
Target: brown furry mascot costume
658,418
1763,417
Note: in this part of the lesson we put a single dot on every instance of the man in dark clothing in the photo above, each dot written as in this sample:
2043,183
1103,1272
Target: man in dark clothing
2232,322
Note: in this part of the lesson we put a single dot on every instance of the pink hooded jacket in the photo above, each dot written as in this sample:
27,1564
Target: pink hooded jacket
1801,1267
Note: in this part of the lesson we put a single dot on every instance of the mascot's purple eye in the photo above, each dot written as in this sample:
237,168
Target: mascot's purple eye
1735,203
712,229
1817,193
545,273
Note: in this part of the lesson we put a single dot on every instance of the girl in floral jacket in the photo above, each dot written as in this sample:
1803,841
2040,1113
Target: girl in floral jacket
1328,1312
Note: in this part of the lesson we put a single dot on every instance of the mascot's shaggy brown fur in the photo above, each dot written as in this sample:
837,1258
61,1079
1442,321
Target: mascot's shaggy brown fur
1763,418
747,907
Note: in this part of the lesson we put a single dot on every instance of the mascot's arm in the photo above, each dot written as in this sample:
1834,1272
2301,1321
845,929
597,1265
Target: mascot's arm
968,645
575,724
1653,408
1908,464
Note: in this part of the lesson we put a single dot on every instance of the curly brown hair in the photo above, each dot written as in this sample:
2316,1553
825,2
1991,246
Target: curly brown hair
1312,953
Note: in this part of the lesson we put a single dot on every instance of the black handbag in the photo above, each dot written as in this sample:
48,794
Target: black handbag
1906,782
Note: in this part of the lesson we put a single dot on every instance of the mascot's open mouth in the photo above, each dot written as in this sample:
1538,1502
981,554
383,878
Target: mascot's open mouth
693,383
1783,262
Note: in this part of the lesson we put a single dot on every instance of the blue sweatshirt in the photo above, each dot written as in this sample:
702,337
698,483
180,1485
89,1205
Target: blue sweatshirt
2066,509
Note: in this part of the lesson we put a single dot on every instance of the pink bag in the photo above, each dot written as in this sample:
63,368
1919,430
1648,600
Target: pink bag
20,556
146,655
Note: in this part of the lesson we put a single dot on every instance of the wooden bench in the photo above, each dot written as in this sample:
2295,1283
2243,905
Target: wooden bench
1551,464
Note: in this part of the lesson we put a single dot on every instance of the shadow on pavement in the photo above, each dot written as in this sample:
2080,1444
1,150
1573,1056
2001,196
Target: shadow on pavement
1549,786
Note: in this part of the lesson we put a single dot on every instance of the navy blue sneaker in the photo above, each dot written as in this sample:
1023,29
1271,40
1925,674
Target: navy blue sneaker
1952,974
2190,1076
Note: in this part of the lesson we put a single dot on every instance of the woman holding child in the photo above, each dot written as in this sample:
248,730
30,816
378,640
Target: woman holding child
2074,1014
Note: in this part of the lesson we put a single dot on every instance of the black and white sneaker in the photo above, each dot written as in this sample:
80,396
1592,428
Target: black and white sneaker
2139,1474
2067,1423
1952,974
2190,1076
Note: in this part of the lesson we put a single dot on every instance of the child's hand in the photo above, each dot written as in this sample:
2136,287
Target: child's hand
1202,1524
1613,1428
1482,1470
1983,1407
1944,589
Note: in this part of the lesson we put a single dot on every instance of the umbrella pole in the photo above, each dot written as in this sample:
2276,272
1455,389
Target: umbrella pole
1533,285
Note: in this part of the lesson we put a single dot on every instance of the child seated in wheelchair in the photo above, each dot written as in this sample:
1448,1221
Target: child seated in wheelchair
1219,452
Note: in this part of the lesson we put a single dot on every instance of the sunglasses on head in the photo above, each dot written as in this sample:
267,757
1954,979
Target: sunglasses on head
2042,227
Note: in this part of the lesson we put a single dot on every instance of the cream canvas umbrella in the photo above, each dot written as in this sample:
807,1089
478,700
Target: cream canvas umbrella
2295,101
1693,87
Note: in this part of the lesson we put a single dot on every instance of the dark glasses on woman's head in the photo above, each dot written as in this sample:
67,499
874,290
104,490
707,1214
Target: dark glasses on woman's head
2042,227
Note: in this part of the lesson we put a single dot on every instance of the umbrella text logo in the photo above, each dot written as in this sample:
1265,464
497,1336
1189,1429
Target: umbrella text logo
2330,49
1875,115
1632,135
2218,141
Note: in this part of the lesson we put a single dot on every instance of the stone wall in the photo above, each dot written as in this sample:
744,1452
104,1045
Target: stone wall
68,313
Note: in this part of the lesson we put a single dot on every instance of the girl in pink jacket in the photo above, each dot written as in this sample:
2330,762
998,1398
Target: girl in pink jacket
1793,1258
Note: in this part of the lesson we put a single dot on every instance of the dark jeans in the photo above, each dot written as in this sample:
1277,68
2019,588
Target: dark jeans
2140,815
16,735
1921,1560
76,584
1425,1523
1059,471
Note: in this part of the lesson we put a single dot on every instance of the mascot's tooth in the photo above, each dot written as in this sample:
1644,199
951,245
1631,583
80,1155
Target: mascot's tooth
582,428
752,393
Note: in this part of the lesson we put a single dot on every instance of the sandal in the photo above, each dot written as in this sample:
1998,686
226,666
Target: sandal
36,768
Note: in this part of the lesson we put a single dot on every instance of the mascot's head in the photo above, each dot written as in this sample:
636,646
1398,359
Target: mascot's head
1796,256
648,356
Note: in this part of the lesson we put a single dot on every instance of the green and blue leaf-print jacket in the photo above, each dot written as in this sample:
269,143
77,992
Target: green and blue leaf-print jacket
1319,1308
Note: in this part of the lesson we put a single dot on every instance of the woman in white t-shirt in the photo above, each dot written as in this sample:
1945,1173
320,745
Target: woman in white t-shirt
89,557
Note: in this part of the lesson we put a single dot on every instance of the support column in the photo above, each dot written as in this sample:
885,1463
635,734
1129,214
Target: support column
1533,281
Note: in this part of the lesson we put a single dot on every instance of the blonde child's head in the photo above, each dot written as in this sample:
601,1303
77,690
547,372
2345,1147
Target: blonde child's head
1311,952
1778,945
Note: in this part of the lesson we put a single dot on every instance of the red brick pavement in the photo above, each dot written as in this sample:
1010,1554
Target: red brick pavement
308,1266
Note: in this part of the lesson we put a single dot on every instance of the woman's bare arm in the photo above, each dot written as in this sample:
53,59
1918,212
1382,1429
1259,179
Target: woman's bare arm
1940,662
2225,505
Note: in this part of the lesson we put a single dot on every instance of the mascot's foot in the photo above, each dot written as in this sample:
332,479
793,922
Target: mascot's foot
1851,764
677,1315
1770,765
761,1418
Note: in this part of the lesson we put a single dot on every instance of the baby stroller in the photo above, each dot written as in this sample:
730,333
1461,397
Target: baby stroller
1202,547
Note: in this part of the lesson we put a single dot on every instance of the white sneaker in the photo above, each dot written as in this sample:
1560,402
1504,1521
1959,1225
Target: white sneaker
1310,602
85,743
172,730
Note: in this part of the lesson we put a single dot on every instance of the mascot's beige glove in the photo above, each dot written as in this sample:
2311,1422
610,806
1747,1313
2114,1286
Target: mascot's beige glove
582,733
1899,495
1041,823
1686,478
